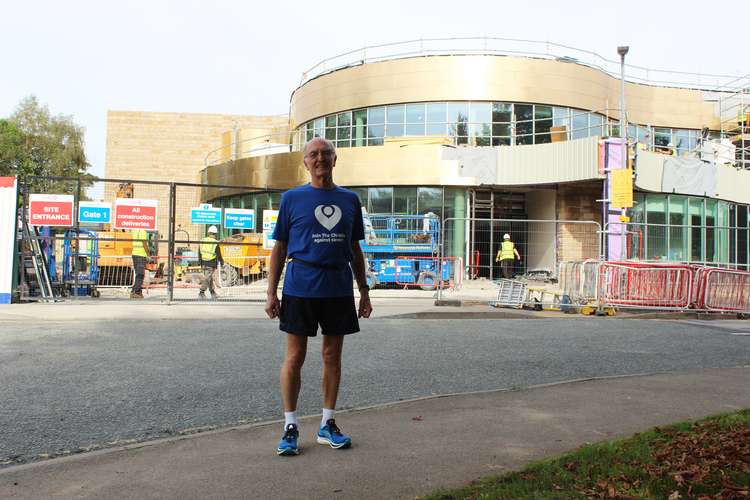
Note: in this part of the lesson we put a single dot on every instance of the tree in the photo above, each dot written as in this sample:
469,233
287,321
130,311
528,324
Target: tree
50,146
12,155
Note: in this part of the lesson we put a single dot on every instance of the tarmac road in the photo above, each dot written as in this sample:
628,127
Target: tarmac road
77,385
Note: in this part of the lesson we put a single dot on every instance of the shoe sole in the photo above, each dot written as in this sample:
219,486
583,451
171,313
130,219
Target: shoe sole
322,440
287,452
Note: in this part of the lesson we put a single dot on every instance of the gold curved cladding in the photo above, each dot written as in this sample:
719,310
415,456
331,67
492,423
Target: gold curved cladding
496,78
419,164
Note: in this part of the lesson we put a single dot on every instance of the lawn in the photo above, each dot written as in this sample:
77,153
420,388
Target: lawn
706,459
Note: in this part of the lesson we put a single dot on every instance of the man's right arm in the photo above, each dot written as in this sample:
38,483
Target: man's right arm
275,266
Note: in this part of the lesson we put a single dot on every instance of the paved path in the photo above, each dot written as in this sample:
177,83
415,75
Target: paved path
457,439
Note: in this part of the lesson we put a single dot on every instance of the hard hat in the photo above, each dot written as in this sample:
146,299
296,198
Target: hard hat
212,229
506,236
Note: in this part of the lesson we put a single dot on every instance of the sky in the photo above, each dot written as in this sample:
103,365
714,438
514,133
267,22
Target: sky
82,58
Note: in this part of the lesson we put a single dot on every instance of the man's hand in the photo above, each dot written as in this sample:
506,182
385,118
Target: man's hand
273,306
365,307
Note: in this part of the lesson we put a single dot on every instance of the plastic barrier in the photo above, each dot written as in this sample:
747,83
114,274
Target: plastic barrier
722,290
646,286
579,280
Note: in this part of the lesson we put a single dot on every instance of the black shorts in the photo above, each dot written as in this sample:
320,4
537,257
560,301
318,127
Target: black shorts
302,315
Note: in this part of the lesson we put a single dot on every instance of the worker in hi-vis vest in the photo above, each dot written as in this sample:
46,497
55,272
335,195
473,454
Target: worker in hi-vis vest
210,258
140,253
505,256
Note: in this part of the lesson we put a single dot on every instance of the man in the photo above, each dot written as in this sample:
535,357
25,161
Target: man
140,253
505,256
209,257
318,228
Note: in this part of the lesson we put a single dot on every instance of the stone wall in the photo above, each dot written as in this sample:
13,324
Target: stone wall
577,202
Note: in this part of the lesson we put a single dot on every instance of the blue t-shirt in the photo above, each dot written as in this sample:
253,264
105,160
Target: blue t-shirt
319,226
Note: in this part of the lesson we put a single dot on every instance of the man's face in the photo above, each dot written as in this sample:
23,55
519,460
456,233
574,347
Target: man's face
319,159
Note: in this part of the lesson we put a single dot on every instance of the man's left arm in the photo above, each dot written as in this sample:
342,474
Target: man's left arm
358,267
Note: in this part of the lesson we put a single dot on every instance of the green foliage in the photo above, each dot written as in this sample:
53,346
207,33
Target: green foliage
35,143
686,460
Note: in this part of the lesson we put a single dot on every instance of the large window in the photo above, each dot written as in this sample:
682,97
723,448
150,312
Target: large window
481,123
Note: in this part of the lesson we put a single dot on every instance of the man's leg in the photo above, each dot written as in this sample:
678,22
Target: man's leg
291,370
139,268
332,347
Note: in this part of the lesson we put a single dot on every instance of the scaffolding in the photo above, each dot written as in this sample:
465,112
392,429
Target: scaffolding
735,120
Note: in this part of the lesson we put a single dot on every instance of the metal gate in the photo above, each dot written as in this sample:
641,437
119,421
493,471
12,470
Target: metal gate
81,257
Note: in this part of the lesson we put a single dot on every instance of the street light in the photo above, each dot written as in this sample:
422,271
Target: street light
622,51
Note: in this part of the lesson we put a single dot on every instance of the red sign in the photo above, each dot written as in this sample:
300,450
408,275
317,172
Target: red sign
51,210
132,213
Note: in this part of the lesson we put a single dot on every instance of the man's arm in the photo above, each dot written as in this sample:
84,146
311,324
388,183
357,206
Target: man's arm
518,256
358,267
145,245
275,266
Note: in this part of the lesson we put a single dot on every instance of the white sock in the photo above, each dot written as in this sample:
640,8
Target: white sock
290,417
327,415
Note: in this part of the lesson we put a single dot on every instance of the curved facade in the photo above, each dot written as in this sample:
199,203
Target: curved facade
446,133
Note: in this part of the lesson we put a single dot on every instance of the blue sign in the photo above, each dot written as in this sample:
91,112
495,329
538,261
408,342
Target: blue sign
94,212
239,218
205,214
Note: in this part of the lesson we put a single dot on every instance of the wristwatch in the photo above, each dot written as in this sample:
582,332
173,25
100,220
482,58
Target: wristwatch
365,287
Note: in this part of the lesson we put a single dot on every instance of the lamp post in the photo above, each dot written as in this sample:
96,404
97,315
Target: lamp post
623,50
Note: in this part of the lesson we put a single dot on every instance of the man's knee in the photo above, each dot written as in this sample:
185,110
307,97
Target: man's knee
332,352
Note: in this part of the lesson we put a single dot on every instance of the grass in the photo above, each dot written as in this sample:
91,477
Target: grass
709,458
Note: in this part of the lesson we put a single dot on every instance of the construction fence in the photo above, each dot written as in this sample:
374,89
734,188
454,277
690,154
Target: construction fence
70,247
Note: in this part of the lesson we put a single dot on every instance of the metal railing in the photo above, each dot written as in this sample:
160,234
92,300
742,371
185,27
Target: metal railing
518,47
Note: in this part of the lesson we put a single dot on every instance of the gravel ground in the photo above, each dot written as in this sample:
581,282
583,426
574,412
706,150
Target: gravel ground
72,386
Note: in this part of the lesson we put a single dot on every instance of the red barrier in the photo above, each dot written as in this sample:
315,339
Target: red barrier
642,285
723,290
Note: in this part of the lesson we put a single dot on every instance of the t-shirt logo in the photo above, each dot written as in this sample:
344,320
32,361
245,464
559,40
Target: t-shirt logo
328,215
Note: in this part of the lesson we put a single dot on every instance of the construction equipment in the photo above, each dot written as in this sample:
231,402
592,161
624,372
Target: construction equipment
510,293
402,250
38,268
80,270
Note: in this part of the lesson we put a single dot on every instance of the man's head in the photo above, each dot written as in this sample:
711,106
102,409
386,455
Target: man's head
320,158
213,230
506,236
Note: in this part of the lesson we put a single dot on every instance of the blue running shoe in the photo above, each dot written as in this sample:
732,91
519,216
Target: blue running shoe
288,443
331,435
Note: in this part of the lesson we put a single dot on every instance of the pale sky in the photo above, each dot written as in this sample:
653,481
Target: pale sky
83,58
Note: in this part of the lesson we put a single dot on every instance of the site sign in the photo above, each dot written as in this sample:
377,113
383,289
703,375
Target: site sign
51,210
239,218
269,224
94,212
134,213
205,214
622,188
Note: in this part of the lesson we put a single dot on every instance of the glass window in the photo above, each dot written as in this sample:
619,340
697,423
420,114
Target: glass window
360,127
436,112
678,235
374,131
711,240
344,119
310,132
458,112
644,135
319,127
682,141
695,207
580,124
331,121
395,120
405,200
331,134
596,125
501,112
501,129
343,137
663,139
501,141
742,235
480,112
560,117
436,129
430,199
415,113
524,116
656,218
542,124
415,119
376,116
381,200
